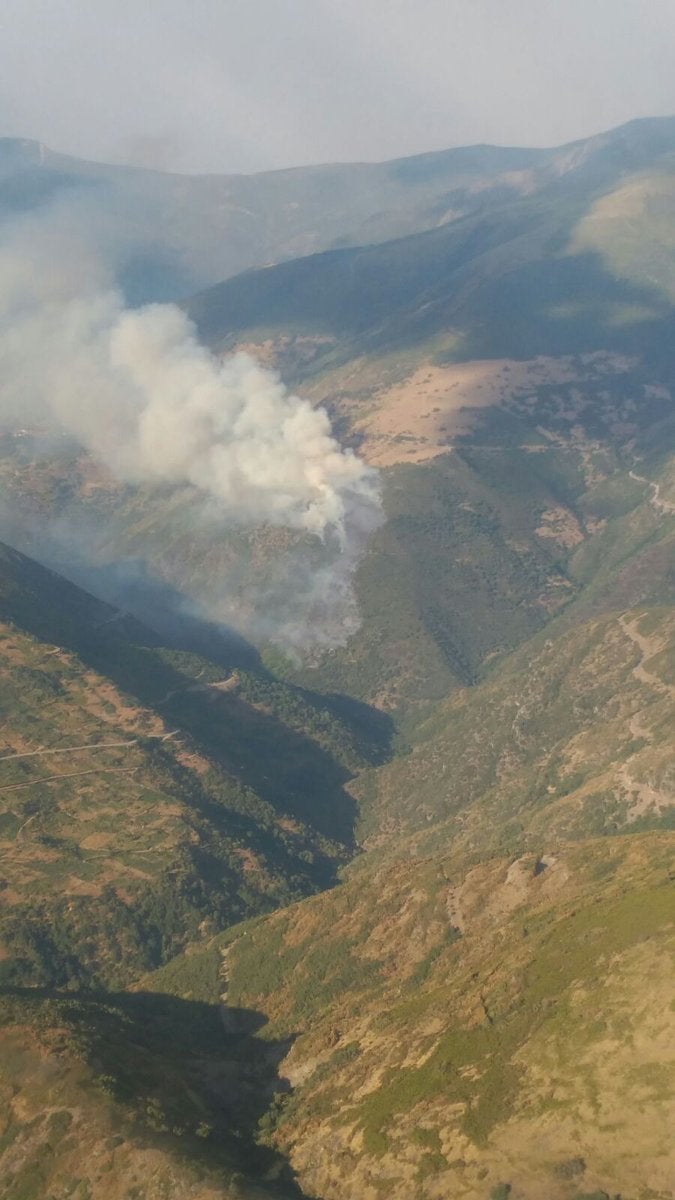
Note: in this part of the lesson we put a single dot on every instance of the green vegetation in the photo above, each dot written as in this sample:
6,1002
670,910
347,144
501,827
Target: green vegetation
517,995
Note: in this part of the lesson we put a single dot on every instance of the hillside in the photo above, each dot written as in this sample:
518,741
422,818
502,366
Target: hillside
478,1030
459,1015
149,795
547,500
115,1096
583,263
511,373
571,736
468,1009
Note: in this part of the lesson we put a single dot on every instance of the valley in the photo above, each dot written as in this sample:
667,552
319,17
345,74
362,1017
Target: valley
299,904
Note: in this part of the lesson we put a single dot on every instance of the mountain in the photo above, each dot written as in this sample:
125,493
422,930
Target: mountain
150,796
395,917
467,1009
466,1013
509,371
550,266
570,737
178,233
546,501
512,373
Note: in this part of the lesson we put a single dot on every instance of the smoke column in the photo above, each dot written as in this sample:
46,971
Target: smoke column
140,393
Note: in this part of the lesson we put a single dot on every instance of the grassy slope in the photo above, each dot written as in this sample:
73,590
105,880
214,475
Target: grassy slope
534,512
468,1009
471,558
571,736
106,1095
459,1029
530,275
443,1001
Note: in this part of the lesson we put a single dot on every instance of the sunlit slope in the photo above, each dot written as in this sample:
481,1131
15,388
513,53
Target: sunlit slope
464,569
572,736
560,499
148,795
463,1029
512,374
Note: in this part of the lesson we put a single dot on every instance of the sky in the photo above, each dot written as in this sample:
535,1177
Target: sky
246,85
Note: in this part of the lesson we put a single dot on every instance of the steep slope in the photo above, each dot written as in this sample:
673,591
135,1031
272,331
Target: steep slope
185,232
571,736
548,273
148,795
479,1031
483,1007
117,1096
512,372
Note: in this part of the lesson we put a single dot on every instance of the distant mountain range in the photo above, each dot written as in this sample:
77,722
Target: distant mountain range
177,233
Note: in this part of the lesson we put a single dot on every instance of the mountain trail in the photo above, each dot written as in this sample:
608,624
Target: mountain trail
665,507
649,647
162,737
646,797
15,787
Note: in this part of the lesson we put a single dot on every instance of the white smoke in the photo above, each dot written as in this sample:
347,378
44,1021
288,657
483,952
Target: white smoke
140,393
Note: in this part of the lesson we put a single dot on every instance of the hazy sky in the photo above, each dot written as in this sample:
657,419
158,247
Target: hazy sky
239,85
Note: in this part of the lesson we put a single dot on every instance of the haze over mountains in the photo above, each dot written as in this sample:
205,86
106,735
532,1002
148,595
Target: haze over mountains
180,233
478,773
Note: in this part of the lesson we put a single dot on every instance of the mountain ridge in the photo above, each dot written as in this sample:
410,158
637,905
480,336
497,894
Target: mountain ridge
191,231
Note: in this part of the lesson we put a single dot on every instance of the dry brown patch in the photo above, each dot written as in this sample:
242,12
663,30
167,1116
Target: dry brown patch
418,418
94,478
80,887
12,651
287,349
96,841
192,760
561,526
130,717
288,825
249,862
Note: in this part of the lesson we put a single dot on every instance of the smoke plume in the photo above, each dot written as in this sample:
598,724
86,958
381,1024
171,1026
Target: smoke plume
144,397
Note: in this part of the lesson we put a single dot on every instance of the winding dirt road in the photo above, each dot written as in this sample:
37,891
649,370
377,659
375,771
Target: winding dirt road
646,796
